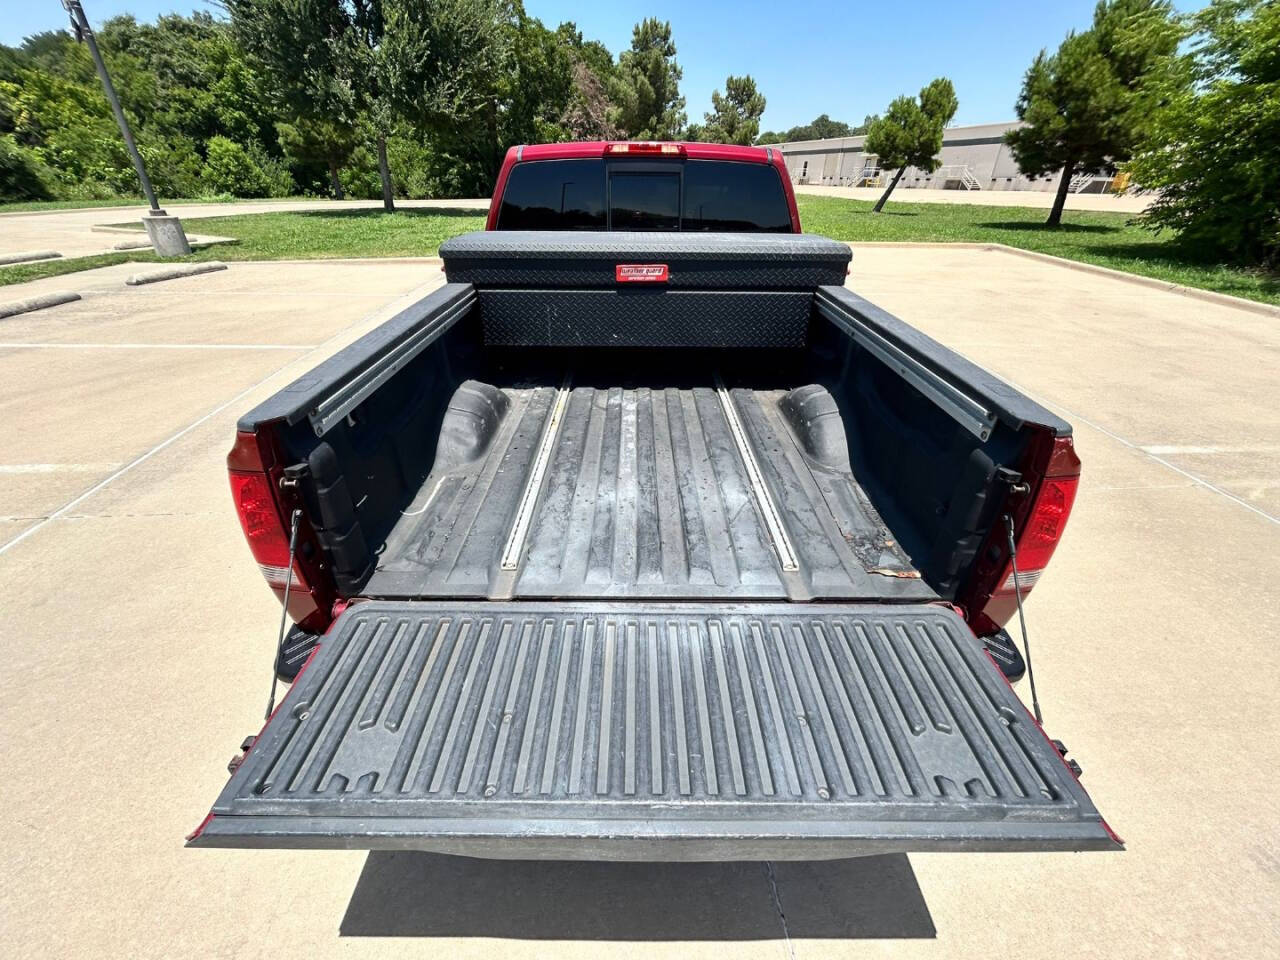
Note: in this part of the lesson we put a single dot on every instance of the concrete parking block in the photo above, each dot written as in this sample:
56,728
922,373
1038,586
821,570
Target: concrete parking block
28,256
175,273
15,307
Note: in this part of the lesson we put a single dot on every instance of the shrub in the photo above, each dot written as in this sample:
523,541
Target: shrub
360,179
228,168
275,171
22,176
1212,154
174,167
410,161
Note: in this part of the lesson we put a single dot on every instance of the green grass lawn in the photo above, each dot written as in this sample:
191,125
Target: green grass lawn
1105,239
296,235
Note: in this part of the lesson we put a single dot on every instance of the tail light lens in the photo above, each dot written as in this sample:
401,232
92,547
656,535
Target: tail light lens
991,597
254,474
1041,532
267,535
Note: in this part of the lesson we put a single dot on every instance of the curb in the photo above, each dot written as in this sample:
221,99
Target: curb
1195,293
8,259
1208,296
434,261
17,307
173,273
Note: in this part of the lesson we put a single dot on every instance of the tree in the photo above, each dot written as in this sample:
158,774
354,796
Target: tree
735,116
540,88
910,132
647,88
588,114
479,76
1211,153
310,140
1089,104
328,60
822,128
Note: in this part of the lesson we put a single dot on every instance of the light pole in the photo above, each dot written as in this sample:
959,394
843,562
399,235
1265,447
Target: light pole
166,233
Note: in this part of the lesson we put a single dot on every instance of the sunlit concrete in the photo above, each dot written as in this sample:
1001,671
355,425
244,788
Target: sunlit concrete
137,636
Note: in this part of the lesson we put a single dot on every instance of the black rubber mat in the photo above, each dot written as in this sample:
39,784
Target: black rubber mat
646,494
653,732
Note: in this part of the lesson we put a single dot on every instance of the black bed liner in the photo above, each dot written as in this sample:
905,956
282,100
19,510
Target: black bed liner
653,732
646,494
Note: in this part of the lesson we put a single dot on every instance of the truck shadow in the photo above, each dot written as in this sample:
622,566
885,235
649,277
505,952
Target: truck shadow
409,894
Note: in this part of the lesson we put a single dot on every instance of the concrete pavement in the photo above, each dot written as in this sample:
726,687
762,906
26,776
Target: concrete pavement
136,637
71,232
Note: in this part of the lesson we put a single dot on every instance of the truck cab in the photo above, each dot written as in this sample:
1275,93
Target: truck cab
706,187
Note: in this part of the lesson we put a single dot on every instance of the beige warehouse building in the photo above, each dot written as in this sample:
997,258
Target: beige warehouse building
973,158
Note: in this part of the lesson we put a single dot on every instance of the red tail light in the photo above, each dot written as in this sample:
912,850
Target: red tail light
1038,527
267,535
648,147
254,476
1041,532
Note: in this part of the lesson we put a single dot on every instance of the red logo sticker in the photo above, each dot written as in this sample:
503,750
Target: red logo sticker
641,273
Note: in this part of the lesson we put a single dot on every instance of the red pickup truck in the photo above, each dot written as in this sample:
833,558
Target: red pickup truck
644,537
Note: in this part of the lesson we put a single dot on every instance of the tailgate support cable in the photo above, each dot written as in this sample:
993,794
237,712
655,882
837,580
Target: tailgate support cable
1022,619
284,612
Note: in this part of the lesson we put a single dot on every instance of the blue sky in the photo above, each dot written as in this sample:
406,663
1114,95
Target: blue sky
844,59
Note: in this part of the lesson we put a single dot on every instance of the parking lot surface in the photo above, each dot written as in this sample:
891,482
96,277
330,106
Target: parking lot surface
137,637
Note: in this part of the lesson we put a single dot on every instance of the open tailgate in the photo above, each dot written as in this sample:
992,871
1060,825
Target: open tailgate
653,732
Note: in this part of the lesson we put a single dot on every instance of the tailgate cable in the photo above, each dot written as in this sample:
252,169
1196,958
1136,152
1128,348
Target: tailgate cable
284,613
1022,619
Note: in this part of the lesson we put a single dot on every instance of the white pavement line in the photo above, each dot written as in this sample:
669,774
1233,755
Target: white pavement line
8,258
136,461
173,273
1197,480
16,345
17,307
390,310
12,468
1174,449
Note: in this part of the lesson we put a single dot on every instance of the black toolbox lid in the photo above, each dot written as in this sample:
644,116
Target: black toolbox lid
550,259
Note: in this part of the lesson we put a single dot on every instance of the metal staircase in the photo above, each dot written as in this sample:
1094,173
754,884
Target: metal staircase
1080,182
959,173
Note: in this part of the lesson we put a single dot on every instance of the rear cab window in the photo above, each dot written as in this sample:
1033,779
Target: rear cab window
622,194
554,195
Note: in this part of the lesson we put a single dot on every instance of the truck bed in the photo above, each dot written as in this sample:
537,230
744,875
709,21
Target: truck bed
644,492
663,570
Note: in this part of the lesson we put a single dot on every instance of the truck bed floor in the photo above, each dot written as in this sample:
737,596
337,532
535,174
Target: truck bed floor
644,493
